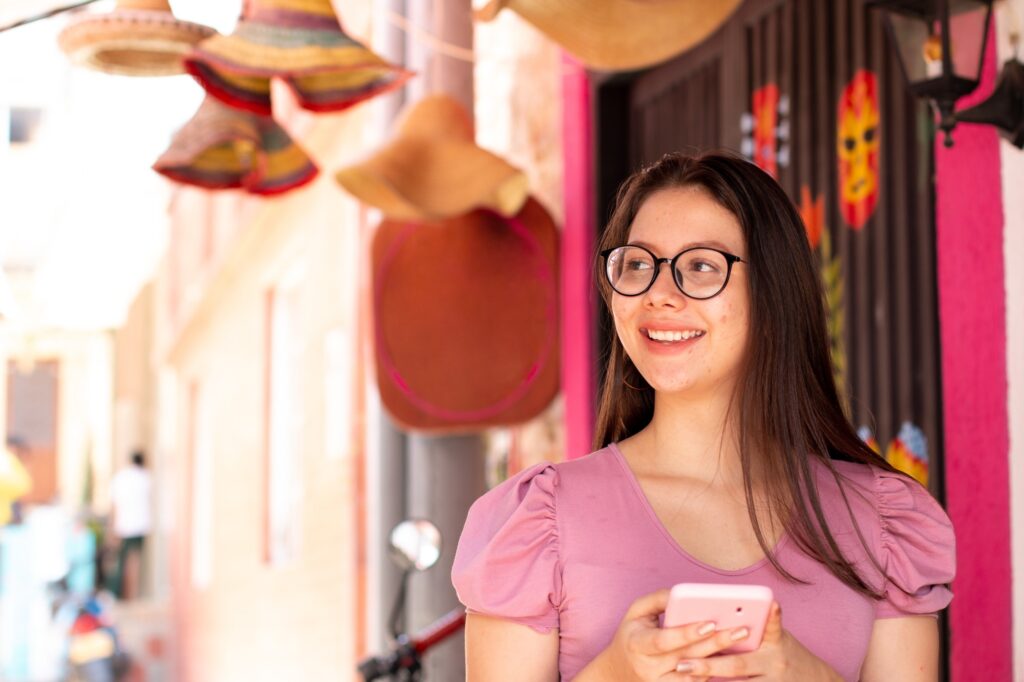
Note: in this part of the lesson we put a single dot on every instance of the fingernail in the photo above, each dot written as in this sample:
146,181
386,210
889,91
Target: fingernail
706,629
739,634
684,667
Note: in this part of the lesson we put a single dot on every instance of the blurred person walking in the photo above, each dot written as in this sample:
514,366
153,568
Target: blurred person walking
131,493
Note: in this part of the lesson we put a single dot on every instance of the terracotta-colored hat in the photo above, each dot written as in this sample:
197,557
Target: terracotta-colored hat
300,41
434,170
620,34
466,319
138,38
223,148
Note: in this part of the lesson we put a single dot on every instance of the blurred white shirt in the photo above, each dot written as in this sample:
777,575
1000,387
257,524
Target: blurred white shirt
130,493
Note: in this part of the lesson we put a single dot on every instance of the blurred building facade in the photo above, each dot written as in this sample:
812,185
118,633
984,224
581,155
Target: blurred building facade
256,390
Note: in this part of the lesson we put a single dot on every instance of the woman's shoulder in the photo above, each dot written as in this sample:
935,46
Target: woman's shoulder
906,528
871,489
508,559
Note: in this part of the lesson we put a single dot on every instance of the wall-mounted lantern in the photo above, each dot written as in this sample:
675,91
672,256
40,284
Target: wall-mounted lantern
938,67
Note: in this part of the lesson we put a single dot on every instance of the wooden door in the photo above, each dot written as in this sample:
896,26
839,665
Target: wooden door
32,397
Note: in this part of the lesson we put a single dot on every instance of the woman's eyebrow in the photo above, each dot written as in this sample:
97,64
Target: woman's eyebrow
713,243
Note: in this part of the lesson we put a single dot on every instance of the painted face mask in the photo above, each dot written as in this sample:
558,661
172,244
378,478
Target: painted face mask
766,103
857,147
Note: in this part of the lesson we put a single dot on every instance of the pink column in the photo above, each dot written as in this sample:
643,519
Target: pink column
577,257
969,223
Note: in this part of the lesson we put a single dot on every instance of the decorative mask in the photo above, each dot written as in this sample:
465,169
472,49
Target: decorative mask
857,147
765,103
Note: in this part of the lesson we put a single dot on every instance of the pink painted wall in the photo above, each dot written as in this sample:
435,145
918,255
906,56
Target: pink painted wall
969,223
578,297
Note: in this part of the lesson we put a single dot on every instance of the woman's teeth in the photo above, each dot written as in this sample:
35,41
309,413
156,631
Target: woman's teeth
673,336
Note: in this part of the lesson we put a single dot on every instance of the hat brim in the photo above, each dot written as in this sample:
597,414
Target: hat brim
426,179
466,325
324,78
621,34
132,42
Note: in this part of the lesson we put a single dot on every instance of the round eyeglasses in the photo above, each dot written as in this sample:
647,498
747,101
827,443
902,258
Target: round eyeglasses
699,272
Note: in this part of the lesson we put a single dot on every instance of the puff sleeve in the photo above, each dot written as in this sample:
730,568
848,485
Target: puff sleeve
507,561
917,548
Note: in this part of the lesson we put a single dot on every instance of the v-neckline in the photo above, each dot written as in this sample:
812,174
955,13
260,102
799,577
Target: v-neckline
656,522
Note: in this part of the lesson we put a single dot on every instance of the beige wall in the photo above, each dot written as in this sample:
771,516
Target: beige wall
298,621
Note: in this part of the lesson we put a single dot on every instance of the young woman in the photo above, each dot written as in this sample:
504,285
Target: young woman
727,459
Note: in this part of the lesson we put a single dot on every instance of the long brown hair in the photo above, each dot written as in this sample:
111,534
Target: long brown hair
786,404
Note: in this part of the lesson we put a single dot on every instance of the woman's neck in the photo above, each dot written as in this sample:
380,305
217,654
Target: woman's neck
690,437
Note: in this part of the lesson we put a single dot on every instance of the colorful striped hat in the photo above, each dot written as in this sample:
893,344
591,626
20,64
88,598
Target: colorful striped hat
223,148
300,41
433,169
138,38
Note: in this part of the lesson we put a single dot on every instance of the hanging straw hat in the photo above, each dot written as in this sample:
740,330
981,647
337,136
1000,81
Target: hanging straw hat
620,34
138,38
434,170
223,148
300,41
466,319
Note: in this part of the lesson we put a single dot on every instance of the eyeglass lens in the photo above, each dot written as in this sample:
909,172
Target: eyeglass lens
699,273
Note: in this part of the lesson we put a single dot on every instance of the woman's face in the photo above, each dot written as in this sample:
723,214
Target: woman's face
669,221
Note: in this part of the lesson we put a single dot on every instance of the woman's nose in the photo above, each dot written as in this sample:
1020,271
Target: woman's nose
664,290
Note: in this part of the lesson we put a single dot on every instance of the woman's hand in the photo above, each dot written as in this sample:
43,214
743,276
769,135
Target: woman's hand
642,651
780,658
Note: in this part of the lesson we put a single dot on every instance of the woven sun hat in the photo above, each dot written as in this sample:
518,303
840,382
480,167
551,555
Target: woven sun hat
300,41
223,148
433,169
137,38
466,319
620,34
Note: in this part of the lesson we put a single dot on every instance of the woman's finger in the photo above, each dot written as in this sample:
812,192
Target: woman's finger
660,641
737,665
719,641
652,604
773,630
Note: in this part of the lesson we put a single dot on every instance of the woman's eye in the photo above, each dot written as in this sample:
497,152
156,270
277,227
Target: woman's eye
637,264
702,266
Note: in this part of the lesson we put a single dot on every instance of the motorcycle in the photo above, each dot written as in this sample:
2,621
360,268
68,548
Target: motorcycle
94,653
415,546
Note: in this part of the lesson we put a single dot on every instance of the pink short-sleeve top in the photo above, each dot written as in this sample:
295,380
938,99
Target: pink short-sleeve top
570,546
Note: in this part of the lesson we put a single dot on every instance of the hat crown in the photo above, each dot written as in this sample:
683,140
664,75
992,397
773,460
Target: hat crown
320,8
437,116
152,5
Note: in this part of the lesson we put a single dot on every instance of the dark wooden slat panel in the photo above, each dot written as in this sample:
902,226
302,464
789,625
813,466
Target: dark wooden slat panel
811,49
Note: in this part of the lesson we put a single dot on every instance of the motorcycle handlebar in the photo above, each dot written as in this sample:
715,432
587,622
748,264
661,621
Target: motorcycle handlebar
439,630
407,651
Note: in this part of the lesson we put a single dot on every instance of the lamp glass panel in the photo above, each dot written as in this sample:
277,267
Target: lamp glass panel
967,30
920,53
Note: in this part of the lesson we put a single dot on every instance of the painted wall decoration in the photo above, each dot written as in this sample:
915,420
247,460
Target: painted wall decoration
908,451
857,147
766,129
813,214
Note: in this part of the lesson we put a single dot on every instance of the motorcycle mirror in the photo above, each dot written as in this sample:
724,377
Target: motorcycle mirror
415,543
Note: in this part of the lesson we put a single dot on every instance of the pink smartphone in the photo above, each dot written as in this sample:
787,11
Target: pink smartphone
728,606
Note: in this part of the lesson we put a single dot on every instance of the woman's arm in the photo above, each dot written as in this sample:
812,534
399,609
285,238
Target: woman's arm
503,651
905,648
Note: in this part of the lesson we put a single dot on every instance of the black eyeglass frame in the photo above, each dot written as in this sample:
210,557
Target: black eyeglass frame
730,258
